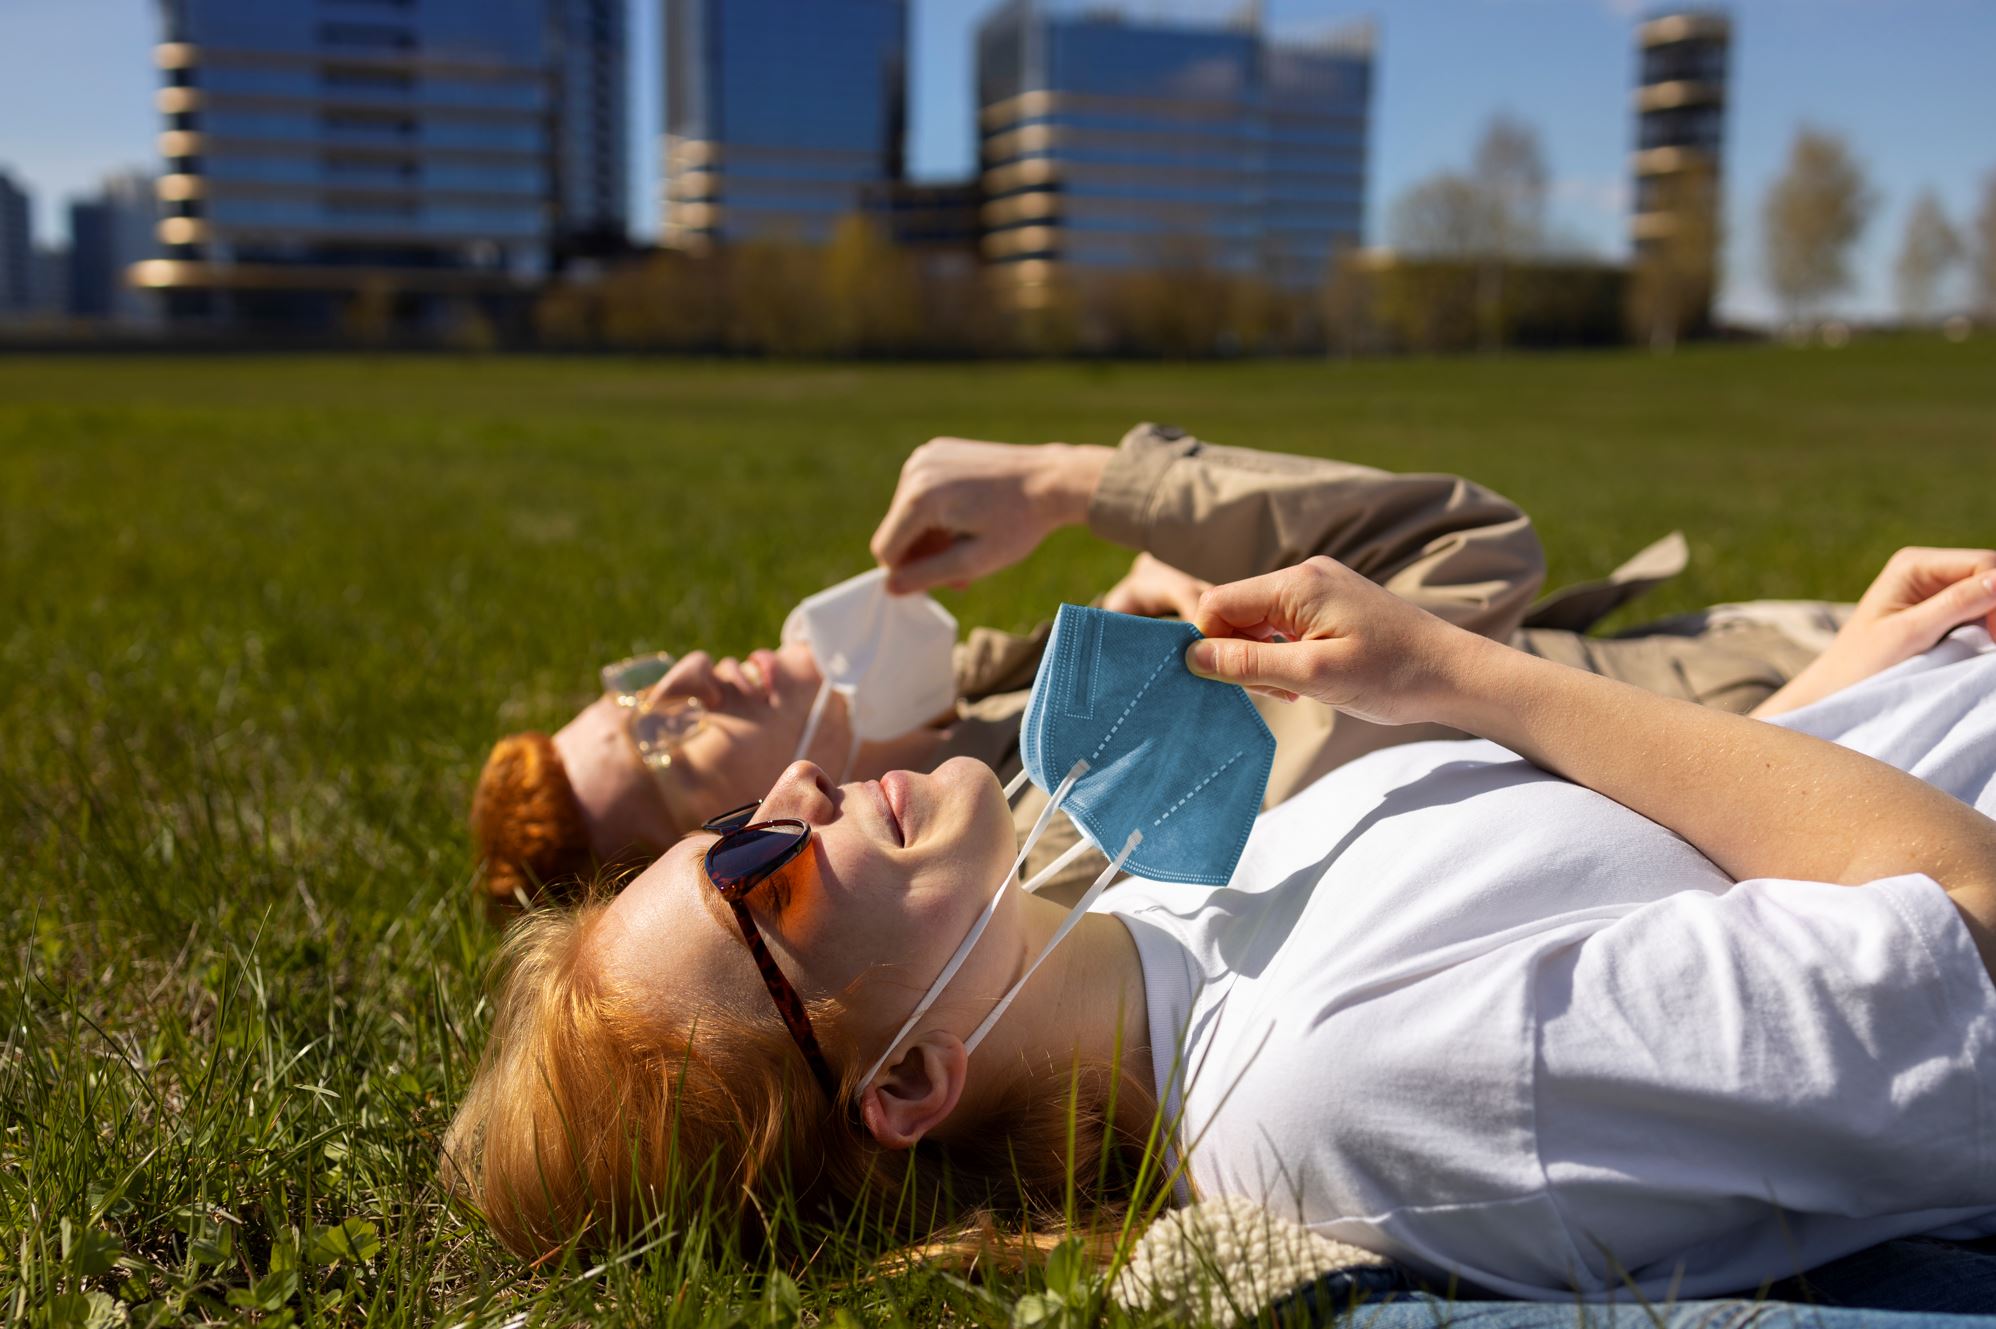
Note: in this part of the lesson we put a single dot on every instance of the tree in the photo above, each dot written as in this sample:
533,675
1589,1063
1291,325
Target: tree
1509,171
1814,212
1985,250
1677,270
1442,216
1926,256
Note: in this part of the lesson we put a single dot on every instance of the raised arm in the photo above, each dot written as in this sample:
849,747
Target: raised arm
964,509
1758,800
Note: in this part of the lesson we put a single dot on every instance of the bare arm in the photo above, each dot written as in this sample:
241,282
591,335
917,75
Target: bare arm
1756,799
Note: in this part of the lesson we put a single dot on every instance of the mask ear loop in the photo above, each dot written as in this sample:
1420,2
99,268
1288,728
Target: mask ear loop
962,953
817,715
1046,874
1067,925
1018,783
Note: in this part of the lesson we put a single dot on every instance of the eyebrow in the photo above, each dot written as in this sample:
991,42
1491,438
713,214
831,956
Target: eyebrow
710,899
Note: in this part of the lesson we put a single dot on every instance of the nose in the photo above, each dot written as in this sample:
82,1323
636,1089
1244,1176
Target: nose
803,791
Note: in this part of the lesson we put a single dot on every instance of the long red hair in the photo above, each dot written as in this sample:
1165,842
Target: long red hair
592,1114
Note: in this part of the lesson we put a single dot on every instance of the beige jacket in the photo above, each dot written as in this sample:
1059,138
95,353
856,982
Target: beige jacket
1442,542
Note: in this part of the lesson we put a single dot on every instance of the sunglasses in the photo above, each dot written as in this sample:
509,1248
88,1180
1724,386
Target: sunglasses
655,728
748,853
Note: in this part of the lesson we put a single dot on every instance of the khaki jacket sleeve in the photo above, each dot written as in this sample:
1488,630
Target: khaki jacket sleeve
1450,546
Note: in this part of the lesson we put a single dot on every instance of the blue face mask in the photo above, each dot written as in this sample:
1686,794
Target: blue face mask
1179,759
1162,771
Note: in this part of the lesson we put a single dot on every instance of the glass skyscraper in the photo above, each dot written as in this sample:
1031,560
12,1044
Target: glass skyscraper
1109,140
780,115
592,168
315,149
17,247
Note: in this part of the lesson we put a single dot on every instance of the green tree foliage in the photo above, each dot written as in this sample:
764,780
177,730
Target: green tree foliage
1813,215
1927,255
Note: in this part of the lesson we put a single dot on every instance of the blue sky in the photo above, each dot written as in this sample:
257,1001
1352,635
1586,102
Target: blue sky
1911,82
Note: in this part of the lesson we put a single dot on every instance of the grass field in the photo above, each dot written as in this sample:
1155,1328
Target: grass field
259,619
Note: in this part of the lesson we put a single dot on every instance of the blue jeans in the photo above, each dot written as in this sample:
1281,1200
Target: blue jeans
1912,1283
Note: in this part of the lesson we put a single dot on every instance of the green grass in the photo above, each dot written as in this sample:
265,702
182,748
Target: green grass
259,619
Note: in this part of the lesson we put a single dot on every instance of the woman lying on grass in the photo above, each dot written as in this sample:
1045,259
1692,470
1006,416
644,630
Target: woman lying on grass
1633,995
654,757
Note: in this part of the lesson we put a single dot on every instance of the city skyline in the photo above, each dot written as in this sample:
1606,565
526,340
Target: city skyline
76,86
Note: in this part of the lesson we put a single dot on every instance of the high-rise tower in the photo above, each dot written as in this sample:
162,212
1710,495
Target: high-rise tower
780,117
1110,138
1682,60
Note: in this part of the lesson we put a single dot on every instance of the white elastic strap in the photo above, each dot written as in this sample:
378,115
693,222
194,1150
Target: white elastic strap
962,952
811,723
1018,783
1067,925
852,755
1046,874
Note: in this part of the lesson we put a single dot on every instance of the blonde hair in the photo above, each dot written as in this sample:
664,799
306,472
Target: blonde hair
527,826
592,1113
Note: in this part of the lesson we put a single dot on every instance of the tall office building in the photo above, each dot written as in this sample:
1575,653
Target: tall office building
412,153
17,247
108,235
592,172
780,115
1680,131
1112,139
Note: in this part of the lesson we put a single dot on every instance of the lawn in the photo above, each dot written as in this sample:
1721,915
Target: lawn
259,619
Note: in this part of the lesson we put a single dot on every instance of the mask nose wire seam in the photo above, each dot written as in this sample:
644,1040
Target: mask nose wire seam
1067,925
1211,776
1103,746
963,949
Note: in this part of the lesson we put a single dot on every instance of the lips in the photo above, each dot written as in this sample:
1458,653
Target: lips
894,792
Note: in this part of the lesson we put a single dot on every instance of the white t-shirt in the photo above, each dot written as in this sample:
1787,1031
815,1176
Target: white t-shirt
1494,1025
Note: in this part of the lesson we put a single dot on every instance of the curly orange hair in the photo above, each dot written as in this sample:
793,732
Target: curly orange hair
527,824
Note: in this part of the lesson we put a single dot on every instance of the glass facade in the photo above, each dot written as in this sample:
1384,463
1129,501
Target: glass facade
780,114
1116,140
1681,71
431,136
17,247
592,141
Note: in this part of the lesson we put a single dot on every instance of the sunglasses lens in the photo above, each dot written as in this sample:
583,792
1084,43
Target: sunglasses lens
746,855
625,679
656,730
731,821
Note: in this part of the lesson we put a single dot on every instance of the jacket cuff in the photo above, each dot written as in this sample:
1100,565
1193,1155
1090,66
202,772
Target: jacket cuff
1122,506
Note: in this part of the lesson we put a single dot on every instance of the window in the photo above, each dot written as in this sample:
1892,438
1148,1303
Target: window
367,36
369,80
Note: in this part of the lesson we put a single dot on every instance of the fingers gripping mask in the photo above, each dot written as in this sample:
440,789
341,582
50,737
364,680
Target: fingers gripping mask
888,655
1182,760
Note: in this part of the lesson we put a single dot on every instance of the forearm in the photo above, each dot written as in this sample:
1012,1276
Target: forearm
1756,799
1222,514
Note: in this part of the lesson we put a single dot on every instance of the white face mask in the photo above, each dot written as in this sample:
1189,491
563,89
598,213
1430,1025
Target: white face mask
1046,874
887,655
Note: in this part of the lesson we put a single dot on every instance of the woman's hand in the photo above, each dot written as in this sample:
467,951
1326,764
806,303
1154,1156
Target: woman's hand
965,509
1322,631
1920,597
1153,588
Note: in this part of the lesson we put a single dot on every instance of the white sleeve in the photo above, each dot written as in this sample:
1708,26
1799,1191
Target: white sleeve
1813,1064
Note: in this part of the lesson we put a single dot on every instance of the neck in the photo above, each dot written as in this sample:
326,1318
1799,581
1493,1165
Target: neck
1084,1006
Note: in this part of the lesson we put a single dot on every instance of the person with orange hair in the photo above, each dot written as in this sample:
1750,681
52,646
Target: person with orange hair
671,742
1539,1015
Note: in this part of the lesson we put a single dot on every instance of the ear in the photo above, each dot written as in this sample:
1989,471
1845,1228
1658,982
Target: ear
917,1093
